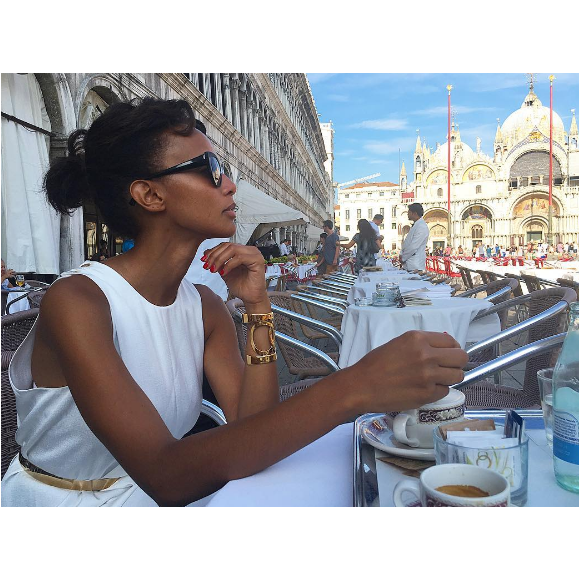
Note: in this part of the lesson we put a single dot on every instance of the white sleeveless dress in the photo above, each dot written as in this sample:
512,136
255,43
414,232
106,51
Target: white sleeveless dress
161,346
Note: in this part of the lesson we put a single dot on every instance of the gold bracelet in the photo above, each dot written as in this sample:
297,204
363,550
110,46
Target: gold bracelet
257,320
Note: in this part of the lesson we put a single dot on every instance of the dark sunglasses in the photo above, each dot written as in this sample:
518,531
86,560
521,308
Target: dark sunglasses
208,159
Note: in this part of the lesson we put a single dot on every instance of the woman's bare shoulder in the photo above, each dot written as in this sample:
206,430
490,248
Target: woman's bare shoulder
73,296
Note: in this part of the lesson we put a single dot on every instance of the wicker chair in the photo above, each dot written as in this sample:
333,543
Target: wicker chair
532,283
549,306
4,301
15,328
569,284
481,394
295,355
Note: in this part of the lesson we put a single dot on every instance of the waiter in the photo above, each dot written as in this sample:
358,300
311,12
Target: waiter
413,251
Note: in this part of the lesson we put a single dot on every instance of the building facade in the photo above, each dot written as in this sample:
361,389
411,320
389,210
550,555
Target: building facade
364,201
501,199
263,125
494,200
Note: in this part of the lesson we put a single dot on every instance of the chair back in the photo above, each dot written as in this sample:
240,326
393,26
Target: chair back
569,284
4,301
532,283
494,287
15,328
517,291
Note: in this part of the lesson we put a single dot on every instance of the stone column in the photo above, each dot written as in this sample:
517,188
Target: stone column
243,112
235,84
217,80
226,97
249,117
207,86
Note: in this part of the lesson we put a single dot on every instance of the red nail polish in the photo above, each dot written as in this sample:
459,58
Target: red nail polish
212,269
205,266
203,258
222,272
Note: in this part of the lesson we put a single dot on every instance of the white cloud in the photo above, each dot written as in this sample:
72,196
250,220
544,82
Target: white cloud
389,147
382,124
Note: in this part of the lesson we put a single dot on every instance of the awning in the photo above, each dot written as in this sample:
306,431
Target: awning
258,212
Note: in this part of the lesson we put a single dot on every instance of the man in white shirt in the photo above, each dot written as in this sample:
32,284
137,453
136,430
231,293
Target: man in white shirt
413,251
377,221
285,247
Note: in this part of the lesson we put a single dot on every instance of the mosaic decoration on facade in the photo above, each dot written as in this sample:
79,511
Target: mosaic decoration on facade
476,212
478,172
437,177
533,206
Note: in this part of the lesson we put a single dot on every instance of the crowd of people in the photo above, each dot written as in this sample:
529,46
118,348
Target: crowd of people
531,251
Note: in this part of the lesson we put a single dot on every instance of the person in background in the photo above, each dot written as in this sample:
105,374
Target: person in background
103,253
560,247
488,251
331,248
460,250
497,250
375,224
448,251
366,241
285,247
292,260
8,279
412,254
320,263
502,252
480,250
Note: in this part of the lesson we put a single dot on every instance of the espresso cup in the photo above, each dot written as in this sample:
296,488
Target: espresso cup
415,427
457,479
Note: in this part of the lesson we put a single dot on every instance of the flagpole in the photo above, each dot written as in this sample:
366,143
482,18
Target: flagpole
449,87
550,207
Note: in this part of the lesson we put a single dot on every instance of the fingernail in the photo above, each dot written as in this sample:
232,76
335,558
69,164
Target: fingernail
205,266
203,258
445,332
212,269
222,272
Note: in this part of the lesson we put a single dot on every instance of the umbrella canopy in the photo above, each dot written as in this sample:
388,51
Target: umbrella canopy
258,213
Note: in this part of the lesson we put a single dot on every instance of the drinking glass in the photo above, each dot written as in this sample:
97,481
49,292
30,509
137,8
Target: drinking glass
20,280
545,384
511,462
387,294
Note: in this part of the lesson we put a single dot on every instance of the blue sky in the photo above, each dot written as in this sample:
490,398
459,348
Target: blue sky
374,115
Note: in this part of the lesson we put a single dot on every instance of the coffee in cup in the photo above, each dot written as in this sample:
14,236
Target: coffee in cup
456,485
415,427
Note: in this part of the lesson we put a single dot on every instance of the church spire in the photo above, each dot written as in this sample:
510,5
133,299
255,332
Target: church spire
418,146
403,170
498,135
573,125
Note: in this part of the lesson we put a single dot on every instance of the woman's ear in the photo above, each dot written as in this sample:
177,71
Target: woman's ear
147,195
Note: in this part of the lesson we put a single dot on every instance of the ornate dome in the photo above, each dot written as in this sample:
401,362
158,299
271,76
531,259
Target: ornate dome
531,116
458,148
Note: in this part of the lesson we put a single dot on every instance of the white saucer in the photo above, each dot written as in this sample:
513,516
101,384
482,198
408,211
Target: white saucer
377,433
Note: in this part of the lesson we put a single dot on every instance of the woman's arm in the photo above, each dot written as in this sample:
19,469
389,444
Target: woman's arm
240,389
75,322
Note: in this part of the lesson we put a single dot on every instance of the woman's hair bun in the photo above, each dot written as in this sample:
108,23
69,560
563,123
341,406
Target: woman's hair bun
65,183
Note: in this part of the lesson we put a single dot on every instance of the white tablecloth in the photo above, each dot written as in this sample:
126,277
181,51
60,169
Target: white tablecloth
389,276
366,289
386,264
367,327
273,270
303,270
320,474
17,306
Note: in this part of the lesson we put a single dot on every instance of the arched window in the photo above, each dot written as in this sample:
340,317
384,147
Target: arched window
440,192
418,163
478,189
477,232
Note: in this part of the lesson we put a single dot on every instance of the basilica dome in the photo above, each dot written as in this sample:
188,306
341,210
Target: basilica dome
532,116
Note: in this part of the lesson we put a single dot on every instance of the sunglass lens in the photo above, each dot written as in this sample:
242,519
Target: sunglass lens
216,170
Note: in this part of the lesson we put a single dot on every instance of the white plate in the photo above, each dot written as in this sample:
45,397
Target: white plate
377,433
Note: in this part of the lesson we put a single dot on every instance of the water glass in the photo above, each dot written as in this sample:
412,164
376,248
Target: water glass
545,384
511,462
387,293
20,280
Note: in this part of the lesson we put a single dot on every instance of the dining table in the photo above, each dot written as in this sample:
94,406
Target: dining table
421,288
13,304
367,327
340,470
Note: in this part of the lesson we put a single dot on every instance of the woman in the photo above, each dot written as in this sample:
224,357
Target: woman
109,379
460,250
366,246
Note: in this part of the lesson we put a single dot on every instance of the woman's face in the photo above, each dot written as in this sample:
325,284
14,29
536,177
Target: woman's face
191,198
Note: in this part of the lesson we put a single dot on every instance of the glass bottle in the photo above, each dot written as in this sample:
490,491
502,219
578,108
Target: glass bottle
565,393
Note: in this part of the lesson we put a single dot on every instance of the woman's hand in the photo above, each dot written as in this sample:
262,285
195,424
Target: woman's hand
241,267
9,273
409,371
